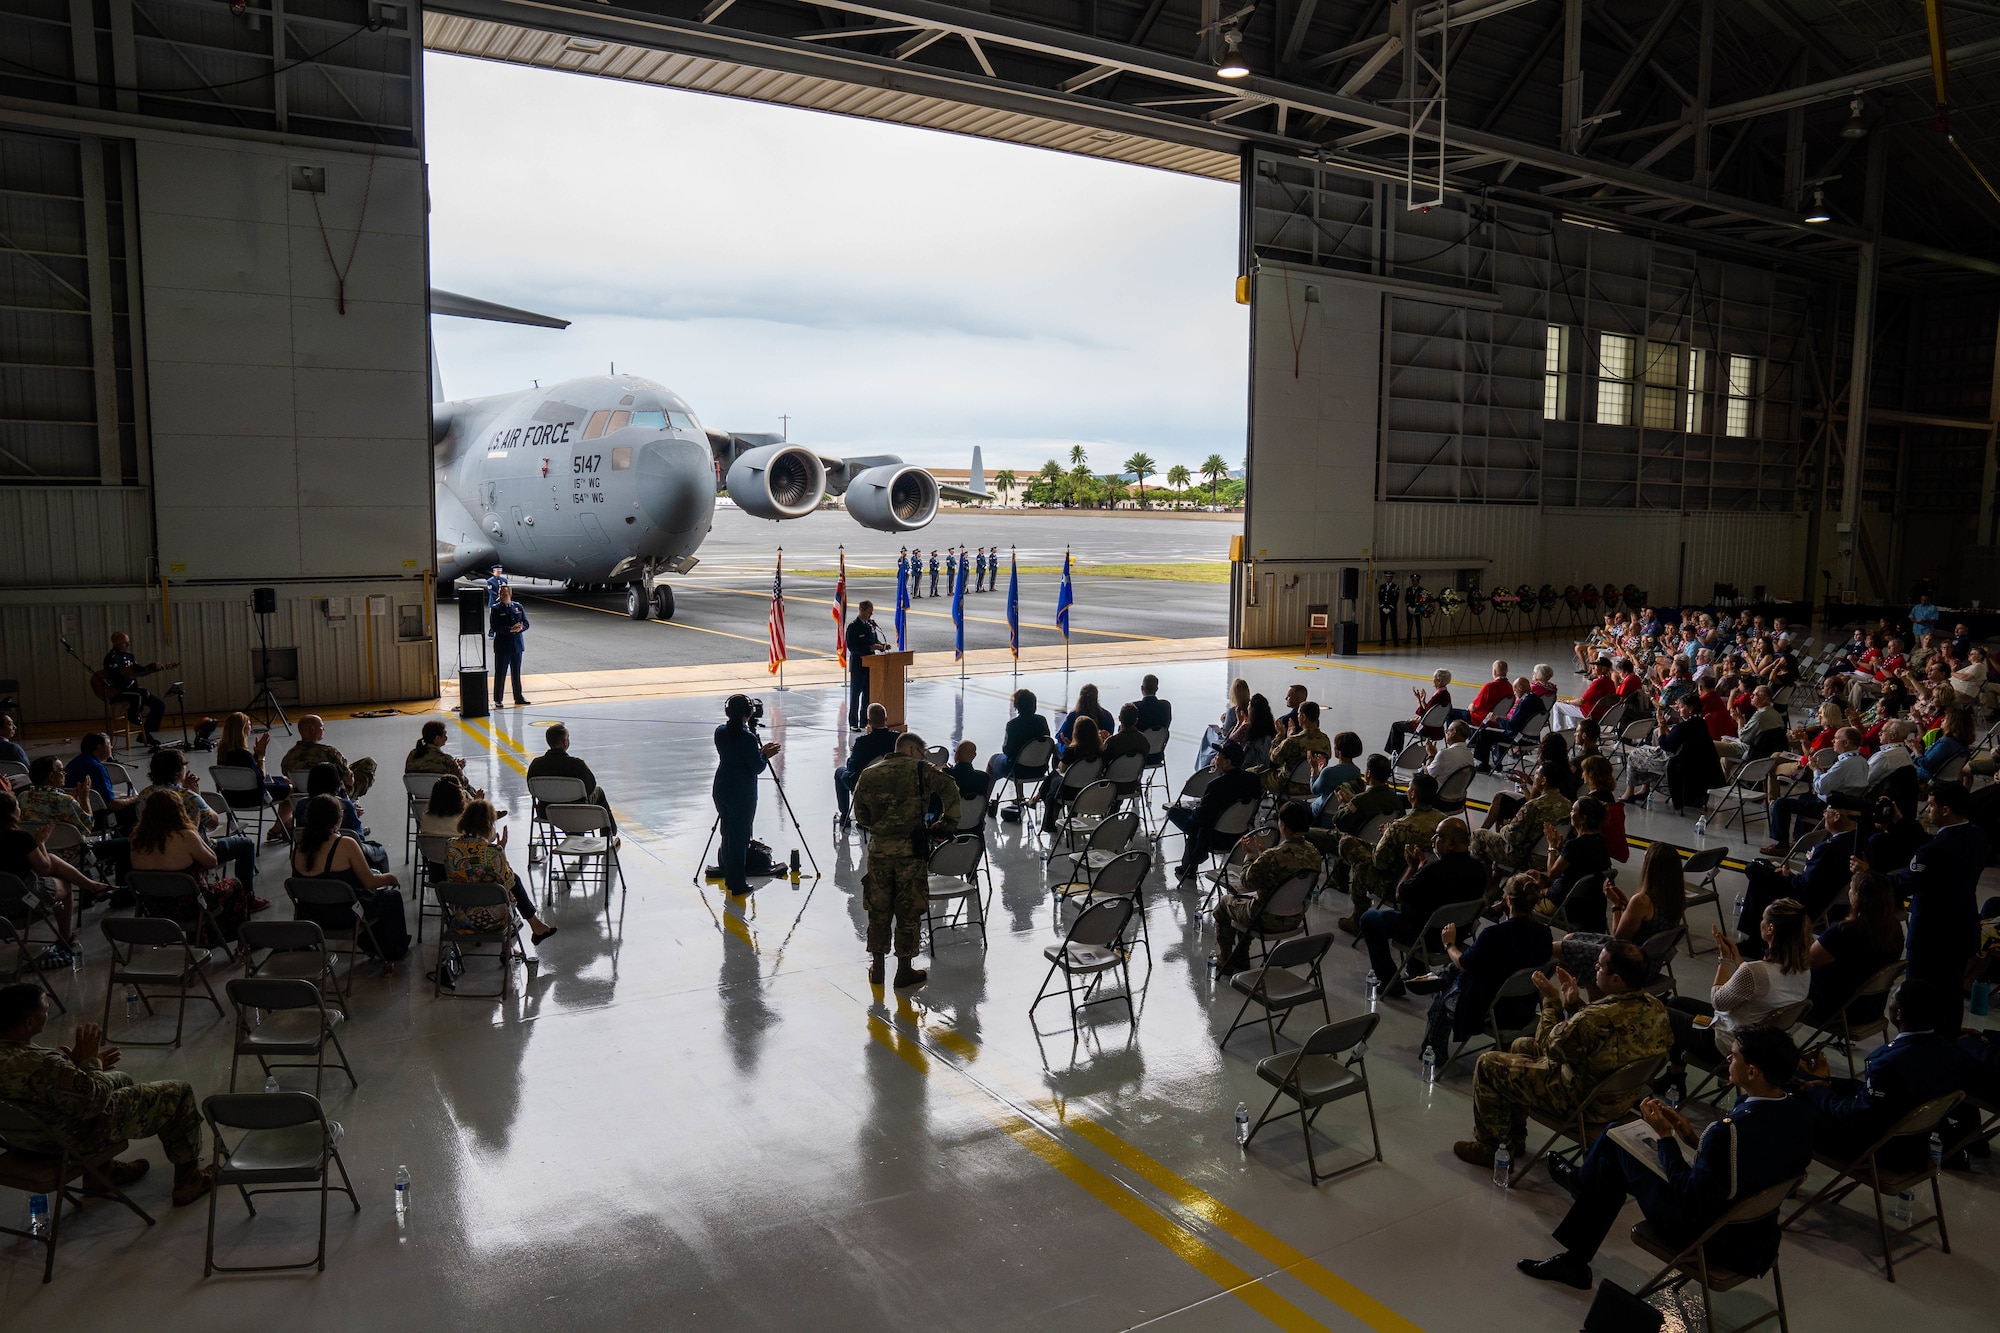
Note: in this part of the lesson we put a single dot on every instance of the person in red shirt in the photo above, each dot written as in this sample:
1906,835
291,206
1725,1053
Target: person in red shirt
1597,696
1491,695
1892,662
1721,722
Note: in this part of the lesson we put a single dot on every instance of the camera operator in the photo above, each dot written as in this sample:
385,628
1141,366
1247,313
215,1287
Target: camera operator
741,759
892,799
863,638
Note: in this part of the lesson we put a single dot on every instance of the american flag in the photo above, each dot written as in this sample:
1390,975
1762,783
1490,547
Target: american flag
778,615
840,611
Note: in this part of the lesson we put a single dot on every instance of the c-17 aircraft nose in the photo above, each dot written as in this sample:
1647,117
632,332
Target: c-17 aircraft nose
675,481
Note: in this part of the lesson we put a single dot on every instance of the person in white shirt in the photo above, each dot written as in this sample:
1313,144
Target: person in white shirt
1744,994
1891,754
1454,754
1849,772
1764,718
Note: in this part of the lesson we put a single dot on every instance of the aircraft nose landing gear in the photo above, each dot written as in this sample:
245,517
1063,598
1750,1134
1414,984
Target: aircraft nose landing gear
641,605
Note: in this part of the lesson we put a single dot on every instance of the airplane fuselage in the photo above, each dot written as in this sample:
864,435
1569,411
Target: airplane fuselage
598,479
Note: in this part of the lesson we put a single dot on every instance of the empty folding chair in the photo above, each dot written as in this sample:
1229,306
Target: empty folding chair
953,884
1660,948
1701,870
474,916
283,1145
1746,790
1112,836
333,905
1498,1033
1080,808
1427,950
41,1159
1124,876
1277,987
1866,1171
284,1016
938,757
1328,1068
416,795
179,899
584,842
1190,796
1409,763
149,954
293,951
1092,950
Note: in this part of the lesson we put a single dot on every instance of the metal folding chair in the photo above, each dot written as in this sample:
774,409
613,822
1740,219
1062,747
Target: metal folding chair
586,840
416,795
335,894
1747,790
1032,766
1080,807
1464,915
1094,948
1842,1029
293,951
1701,870
1452,791
285,1147
1866,1170
1519,986
294,1020
1227,874
1660,948
164,893
1156,760
542,793
954,883
53,1169
1277,988
433,858
1328,1068
458,931
1597,1108
149,953
236,783
1690,1262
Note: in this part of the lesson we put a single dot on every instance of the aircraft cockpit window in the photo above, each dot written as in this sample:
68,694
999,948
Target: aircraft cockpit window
621,458
596,426
682,421
650,420
618,422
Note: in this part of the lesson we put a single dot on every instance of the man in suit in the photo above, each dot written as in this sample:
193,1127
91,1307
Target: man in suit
1477,971
1850,1114
1818,882
1764,1140
1941,882
1454,877
872,744
862,639
1231,785
1155,713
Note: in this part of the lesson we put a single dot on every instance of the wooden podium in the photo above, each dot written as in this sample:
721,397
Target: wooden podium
885,683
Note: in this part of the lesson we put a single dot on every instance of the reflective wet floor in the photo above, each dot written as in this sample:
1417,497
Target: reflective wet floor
695,1113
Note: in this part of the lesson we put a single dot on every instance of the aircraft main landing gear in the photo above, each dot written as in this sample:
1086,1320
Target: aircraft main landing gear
663,602
637,605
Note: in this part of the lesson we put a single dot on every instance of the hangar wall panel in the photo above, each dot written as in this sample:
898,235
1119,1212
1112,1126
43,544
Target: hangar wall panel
74,535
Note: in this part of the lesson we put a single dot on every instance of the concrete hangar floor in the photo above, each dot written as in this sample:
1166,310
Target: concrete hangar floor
695,1113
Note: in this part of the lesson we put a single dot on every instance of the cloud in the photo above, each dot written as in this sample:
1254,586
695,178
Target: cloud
887,288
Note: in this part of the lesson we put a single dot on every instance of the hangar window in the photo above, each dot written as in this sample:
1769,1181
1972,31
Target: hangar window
1741,420
1695,413
1555,384
596,426
1616,358
621,458
650,420
1662,401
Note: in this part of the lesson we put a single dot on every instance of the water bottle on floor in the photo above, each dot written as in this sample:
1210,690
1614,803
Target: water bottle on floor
1937,1153
38,1214
1374,989
1430,1065
131,1004
1503,1167
402,1191
271,1083
1701,825
1242,1124
1900,1208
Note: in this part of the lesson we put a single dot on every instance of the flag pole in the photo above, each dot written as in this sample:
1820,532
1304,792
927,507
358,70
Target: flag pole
781,661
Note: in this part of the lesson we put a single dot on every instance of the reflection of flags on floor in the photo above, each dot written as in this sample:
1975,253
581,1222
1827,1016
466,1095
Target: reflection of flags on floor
840,611
778,615
1014,603
1065,598
958,612
902,597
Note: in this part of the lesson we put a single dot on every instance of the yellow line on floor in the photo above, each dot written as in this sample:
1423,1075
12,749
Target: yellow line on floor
1176,1239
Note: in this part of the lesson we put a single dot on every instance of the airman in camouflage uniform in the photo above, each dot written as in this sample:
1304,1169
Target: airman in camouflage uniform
1574,1046
312,749
1375,871
1513,842
73,1093
1292,751
1241,912
891,798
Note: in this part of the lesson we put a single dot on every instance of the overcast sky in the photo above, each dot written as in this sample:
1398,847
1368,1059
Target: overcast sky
892,289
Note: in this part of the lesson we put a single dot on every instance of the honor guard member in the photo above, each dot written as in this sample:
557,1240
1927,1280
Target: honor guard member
1413,609
964,565
934,571
509,623
950,571
1387,596
495,581
891,798
142,706
979,567
863,638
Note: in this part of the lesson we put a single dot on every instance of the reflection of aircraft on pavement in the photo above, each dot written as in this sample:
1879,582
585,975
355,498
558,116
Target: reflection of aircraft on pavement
610,479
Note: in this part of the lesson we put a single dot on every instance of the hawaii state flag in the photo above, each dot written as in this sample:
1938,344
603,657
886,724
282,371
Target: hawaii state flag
958,612
777,625
840,611
903,566
1014,603
1065,598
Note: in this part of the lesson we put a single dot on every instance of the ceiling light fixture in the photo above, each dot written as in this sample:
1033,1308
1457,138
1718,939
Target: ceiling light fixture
1856,127
1818,213
1232,65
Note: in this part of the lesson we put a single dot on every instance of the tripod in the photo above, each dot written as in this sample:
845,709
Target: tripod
701,862
264,698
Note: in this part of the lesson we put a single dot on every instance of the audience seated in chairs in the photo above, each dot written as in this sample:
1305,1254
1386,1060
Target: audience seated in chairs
1086,746
50,799
1241,913
1596,697
1088,707
1353,807
1230,787
356,778
235,749
1453,755
476,857
1400,733
1761,1142
1598,781
23,855
1256,733
1578,865
1128,739
10,748
1224,728
1466,990
1023,729
77,1092
430,757
1745,993
1337,774
1848,952
1576,1044
1305,742
1372,871
1492,694
1454,877
1848,774
1685,758
1923,1062
88,769
1816,884
973,781
870,745
1659,904
1155,713
1288,721
167,771
327,850
1515,823
165,840
1527,707
558,762
324,780
1941,885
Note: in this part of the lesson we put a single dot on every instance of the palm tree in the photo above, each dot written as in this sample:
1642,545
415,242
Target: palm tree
1215,470
1076,456
1141,466
1005,480
1081,483
1052,473
1178,478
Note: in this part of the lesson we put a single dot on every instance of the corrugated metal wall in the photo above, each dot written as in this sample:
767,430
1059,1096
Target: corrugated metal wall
70,536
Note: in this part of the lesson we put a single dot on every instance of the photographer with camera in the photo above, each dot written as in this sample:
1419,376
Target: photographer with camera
741,759
891,799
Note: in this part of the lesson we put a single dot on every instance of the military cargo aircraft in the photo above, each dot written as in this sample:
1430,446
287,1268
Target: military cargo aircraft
612,480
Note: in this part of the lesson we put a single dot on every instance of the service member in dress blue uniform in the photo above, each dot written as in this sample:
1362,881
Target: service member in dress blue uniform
1942,883
1413,607
950,570
1850,1114
739,760
495,581
979,569
1387,596
508,623
934,572
863,638
1764,1140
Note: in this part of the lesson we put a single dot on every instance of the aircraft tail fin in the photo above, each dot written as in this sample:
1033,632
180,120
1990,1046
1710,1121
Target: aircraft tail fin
437,380
976,481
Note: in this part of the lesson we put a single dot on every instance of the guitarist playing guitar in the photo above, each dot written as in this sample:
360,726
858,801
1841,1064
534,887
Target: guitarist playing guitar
119,680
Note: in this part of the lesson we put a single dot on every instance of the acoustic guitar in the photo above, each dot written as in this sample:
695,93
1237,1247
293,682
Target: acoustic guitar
110,686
